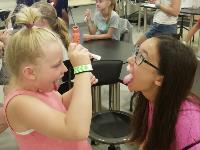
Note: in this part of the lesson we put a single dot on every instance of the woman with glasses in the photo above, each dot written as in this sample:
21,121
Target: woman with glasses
165,117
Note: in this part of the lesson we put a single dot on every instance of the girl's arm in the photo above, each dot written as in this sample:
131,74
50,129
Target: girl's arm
192,31
108,35
91,26
67,96
173,9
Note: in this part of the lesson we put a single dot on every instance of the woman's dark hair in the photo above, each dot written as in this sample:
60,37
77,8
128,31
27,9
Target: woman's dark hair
178,65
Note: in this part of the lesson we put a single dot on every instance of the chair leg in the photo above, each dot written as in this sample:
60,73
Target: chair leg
93,142
111,147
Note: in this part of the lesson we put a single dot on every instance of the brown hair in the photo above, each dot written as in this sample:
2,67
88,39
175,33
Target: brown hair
56,23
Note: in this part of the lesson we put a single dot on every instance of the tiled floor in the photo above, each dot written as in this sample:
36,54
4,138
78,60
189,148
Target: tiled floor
7,142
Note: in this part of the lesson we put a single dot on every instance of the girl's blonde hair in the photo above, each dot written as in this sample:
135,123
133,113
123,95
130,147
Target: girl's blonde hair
26,45
57,24
111,8
113,5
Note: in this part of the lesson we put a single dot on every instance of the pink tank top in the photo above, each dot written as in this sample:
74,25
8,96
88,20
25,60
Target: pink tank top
37,141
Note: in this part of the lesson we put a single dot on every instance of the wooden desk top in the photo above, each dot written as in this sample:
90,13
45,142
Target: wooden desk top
74,3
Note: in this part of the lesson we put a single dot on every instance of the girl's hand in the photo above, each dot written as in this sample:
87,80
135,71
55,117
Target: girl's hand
93,79
78,55
87,37
88,15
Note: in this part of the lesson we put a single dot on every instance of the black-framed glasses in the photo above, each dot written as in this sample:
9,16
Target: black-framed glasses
139,59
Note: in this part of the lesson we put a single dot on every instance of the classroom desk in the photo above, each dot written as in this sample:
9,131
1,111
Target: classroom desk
192,12
109,50
75,3
145,6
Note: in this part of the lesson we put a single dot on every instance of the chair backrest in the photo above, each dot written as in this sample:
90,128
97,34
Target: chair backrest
126,29
107,71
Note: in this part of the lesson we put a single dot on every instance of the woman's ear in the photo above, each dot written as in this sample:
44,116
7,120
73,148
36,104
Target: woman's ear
29,73
159,80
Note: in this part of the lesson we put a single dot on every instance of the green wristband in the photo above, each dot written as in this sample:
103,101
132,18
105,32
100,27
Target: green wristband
83,68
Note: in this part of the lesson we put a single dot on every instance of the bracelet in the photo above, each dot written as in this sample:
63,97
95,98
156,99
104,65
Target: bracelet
83,68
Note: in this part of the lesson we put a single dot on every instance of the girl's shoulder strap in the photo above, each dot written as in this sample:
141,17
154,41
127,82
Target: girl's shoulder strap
12,94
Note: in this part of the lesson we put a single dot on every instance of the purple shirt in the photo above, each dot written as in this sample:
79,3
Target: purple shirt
187,125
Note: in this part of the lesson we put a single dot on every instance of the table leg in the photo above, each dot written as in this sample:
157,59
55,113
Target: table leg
191,21
145,19
139,19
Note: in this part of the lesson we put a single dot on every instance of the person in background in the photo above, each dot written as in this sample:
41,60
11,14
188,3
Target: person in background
164,20
106,21
61,7
50,20
192,31
165,117
39,117
26,2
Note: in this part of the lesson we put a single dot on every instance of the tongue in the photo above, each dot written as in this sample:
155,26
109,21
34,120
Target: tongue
127,78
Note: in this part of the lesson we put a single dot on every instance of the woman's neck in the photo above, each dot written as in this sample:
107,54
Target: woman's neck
151,94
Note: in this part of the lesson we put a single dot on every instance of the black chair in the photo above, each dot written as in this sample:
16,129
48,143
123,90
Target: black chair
112,126
67,78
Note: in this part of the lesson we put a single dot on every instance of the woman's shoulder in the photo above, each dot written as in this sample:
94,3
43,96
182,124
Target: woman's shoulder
191,104
189,115
187,125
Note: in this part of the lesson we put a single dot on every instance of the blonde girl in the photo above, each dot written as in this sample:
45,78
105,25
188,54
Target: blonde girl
106,21
39,117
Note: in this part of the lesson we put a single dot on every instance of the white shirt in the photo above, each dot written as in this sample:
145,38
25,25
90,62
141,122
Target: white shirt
163,18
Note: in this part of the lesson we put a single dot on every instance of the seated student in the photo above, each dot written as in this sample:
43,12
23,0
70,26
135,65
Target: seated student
192,31
165,117
39,117
164,20
106,21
